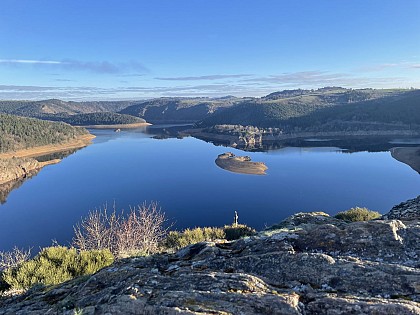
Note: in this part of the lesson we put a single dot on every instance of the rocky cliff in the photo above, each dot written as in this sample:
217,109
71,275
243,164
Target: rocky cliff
19,168
310,263
16,168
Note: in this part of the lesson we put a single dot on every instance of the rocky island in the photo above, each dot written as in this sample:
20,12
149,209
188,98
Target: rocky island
240,164
310,263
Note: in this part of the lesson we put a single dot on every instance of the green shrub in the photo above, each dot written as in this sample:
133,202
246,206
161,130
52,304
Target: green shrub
56,264
177,240
234,232
357,214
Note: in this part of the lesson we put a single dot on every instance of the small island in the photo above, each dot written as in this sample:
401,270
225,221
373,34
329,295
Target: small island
240,164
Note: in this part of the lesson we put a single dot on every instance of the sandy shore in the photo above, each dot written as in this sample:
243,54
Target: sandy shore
409,156
79,142
120,126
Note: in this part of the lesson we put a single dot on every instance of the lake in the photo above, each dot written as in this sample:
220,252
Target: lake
131,167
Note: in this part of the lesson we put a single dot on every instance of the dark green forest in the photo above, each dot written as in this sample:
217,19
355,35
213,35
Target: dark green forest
21,132
54,109
326,110
105,118
179,110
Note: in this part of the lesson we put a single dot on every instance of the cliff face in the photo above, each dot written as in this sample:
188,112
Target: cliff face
16,168
309,264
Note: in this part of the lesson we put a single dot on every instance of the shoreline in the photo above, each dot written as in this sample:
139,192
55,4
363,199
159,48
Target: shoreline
409,156
31,168
79,142
117,126
257,139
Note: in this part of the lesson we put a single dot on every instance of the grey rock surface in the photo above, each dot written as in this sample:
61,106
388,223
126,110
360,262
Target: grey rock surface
309,264
408,210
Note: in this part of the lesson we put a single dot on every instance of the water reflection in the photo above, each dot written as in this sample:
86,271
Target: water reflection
7,188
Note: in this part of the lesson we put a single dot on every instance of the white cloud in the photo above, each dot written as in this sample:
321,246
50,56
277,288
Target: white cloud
29,61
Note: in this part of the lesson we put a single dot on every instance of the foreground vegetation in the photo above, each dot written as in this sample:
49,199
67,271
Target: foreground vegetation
102,237
21,133
358,214
54,265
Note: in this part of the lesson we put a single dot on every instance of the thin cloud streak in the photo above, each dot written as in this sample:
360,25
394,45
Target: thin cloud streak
28,61
243,87
386,66
301,78
205,77
101,67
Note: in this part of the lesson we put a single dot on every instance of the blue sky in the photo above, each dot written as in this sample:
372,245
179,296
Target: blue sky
107,50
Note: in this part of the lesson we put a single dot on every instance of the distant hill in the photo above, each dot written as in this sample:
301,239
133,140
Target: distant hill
104,118
179,110
53,108
306,109
329,108
21,133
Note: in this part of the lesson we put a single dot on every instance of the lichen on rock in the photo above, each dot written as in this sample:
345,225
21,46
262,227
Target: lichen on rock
309,264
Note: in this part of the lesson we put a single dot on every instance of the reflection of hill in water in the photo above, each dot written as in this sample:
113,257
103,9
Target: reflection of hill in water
347,145
6,188
57,155
409,156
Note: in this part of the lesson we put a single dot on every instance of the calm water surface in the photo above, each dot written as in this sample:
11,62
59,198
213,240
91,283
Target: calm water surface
130,167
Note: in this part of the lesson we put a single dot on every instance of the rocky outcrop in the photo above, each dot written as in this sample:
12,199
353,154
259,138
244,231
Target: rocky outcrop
309,264
408,210
15,169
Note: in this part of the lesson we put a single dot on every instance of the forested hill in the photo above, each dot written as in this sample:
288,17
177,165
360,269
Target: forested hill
179,110
329,108
21,133
53,108
323,108
105,118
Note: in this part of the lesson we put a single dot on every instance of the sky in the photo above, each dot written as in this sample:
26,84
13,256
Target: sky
129,50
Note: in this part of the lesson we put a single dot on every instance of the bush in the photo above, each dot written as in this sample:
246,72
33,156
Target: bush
54,265
357,214
138,233
237,231
177,240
